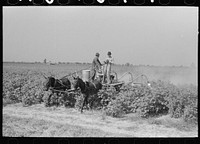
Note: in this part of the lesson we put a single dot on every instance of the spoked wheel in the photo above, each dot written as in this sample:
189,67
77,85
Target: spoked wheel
108,87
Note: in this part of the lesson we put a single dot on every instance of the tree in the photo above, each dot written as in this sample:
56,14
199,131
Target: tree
45,61
127,64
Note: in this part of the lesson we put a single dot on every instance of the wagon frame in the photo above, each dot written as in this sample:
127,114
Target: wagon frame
116,84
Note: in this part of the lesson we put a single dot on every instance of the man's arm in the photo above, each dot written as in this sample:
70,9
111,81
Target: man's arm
99,63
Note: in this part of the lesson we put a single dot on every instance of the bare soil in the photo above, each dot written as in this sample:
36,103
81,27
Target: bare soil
39,121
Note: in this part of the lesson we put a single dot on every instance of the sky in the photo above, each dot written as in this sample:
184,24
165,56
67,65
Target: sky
162,36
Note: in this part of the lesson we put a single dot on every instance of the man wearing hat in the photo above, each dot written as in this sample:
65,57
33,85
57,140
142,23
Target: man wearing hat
96,66
109,61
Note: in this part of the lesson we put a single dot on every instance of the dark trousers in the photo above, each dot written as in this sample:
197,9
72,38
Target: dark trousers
93,74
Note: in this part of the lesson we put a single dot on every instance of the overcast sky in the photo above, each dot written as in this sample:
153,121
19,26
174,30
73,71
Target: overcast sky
138,35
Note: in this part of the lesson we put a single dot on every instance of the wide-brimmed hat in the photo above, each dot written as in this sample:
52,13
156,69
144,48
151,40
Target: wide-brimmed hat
109,53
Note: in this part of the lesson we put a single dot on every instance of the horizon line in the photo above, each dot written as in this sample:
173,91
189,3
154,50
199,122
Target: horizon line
126,64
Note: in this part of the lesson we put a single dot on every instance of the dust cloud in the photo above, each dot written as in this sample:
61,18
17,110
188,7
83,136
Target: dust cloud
175,75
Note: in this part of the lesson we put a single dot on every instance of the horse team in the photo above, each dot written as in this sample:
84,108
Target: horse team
87,88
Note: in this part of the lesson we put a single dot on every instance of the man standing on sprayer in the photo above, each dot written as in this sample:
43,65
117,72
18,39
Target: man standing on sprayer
109,61
96,66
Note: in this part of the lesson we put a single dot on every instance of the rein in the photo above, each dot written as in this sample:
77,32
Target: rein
85,86
70,90
94,85
60,82
75,72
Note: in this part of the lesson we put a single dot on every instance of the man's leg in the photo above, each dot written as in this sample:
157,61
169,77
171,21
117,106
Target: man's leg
93,75
108,74
104,73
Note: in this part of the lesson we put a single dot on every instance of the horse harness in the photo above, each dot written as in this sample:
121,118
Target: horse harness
87,85
59,82
94,85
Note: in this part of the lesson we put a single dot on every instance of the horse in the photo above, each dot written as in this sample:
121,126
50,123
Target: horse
57,84
87,88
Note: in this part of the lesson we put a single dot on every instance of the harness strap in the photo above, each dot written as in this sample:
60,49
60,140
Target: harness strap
85,86
60,83
54,83
94,84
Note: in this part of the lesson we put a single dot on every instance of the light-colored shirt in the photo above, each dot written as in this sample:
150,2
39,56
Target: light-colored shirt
110,60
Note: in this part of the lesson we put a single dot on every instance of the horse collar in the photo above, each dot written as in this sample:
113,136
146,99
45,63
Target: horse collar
54,83
86,86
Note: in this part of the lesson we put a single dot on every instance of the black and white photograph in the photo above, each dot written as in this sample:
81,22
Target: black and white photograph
100,71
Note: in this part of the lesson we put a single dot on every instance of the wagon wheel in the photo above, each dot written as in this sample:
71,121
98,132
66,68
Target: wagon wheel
110,88
113,88
106,87
119,87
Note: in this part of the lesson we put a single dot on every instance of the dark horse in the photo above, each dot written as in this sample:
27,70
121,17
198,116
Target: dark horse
87,88
57,84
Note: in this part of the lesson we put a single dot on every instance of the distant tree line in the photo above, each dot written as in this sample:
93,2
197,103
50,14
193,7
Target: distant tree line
86,63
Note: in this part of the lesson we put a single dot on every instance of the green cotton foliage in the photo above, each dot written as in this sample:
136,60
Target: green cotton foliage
22,86
161,98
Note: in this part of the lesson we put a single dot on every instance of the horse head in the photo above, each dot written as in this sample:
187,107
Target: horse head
48,83
75,82
78,83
